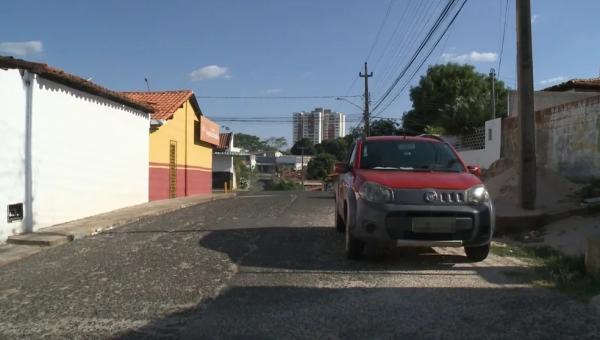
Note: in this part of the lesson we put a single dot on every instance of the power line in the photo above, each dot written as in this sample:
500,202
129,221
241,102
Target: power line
387,14
441,18
503,36
277,97
415,55
421,20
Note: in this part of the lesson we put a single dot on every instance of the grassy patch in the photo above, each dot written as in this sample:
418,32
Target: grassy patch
553,269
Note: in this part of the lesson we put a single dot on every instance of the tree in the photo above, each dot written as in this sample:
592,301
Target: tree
276,143
380,127
320,166
338,148
455,98
248,142
307,144
255,144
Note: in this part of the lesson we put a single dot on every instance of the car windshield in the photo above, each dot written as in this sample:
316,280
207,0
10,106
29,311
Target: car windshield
409,155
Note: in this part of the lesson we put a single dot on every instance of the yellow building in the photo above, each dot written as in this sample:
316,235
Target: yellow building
181,144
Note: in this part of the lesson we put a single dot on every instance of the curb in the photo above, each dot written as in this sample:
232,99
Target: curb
120,223
508,224
25,245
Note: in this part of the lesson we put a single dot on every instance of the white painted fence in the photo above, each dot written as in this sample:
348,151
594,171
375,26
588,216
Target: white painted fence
482,147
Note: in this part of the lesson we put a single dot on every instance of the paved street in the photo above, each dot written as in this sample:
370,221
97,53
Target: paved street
270,265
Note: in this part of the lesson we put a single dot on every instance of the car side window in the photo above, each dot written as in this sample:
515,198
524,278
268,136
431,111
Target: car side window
352,156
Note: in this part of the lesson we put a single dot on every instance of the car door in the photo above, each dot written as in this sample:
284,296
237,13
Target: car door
346,180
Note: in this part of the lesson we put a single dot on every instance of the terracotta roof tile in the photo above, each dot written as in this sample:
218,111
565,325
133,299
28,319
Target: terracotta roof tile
71,80
224,139
164,103
592,84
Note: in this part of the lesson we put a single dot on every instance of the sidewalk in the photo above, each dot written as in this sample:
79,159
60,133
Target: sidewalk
20,246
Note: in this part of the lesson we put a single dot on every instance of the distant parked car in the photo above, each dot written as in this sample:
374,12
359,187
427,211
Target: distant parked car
412,192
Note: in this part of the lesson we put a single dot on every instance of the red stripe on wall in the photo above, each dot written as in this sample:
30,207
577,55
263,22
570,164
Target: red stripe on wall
199,182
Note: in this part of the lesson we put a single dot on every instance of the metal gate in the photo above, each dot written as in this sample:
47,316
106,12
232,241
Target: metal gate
173,169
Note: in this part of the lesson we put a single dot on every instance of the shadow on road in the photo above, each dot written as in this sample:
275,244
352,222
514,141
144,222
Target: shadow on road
270,299
322,249
281,312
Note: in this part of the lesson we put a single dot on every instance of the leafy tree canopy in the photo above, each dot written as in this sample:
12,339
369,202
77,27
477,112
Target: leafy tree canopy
380,127
338,148
455,98
320,166
304,143
255,144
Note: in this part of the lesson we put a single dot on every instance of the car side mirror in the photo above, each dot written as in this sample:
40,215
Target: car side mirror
340,168
474,169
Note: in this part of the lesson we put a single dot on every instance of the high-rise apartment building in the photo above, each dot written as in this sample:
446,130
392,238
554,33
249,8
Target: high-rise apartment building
318,125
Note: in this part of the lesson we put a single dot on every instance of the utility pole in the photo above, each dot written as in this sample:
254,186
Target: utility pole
493,78
527,166
302,161
367,75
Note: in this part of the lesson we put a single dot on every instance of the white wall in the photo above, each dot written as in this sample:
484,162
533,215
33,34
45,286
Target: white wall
222,163
491,152
12,139
89,154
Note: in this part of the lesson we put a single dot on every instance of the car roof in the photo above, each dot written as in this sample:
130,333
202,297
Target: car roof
424,138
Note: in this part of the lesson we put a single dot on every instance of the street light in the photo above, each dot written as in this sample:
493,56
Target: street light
346,100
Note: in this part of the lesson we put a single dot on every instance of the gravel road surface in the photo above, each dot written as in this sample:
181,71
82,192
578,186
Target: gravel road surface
270,265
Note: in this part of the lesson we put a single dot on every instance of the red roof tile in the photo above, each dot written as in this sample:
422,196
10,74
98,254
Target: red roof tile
71,80
224,139
164,103
591,84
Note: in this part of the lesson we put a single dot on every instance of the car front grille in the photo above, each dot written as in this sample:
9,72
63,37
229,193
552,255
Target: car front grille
430,196
399,226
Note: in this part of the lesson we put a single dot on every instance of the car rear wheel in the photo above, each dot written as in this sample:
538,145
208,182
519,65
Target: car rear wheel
477,254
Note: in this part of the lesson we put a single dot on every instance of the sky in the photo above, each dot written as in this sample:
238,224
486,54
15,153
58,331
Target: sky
273,48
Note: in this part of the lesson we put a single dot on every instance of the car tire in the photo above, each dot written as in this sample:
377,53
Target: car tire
340,226
354,246
477,254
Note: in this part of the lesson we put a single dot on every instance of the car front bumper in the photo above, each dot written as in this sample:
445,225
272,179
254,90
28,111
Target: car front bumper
397,224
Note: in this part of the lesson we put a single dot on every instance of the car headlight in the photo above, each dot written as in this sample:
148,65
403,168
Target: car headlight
478,195
376,193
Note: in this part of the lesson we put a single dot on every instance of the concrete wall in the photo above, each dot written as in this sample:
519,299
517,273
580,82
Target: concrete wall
545,99
491,153
567,139
222,163
88,154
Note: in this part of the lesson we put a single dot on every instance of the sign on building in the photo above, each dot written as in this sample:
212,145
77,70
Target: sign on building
209,131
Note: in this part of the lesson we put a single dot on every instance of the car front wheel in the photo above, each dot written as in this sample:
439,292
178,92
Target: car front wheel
340,226
477,254
354,246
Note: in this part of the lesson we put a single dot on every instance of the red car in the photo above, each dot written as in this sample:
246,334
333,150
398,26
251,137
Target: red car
412,192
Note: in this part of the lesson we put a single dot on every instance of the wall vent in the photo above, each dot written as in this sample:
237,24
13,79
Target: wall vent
14,212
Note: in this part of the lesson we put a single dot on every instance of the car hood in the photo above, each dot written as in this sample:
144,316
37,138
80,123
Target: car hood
419,180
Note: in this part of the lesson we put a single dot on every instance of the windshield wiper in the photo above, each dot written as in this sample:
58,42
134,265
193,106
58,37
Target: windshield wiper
385,168
438,168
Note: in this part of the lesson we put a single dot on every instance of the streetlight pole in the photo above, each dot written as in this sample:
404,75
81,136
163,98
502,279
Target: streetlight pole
348,101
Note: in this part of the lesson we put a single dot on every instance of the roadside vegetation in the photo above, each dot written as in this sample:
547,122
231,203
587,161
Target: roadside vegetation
552,269
284,185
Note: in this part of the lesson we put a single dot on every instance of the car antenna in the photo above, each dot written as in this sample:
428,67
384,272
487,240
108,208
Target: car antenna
404,133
